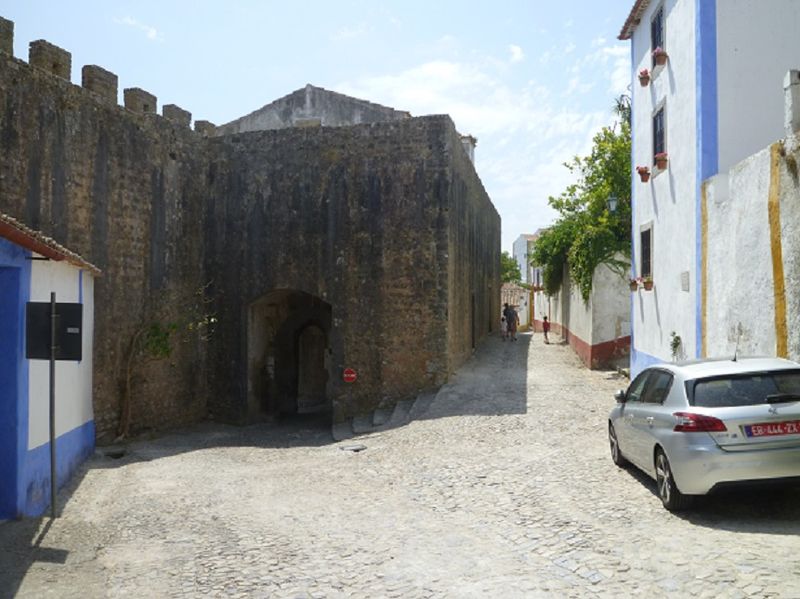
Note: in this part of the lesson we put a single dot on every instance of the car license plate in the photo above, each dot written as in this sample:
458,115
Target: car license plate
767,429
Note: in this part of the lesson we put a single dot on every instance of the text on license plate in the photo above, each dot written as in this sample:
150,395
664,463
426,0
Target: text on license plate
773,428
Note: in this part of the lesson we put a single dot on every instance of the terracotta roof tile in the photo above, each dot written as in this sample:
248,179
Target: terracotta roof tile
16,232
633,19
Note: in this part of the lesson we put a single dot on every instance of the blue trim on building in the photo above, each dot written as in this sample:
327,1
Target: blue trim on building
633,200
707,137
641,360
15,285
72,449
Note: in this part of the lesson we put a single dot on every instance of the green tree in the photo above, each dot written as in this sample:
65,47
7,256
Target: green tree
586,234
509,269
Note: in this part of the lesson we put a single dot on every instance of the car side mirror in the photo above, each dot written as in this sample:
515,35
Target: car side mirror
620,396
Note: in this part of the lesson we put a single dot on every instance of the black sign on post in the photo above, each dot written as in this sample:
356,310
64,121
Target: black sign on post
53,332
69,331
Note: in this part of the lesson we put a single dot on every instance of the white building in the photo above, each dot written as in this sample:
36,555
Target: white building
598,330
522,249
712,104
31,267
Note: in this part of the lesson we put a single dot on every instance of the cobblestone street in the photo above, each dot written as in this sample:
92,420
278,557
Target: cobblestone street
503,488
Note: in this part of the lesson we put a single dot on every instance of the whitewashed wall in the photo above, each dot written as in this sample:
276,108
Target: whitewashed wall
790,245
668,201
757,42
605,317
740,275
610,302
73,379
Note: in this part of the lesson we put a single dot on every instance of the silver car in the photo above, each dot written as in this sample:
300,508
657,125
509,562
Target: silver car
699,425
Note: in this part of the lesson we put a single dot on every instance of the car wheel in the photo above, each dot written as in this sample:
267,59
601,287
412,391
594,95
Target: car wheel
616,454
668,491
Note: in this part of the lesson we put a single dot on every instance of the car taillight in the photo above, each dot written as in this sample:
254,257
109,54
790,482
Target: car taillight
698,423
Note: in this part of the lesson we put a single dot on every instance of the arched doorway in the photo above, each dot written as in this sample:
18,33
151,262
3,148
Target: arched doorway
288,354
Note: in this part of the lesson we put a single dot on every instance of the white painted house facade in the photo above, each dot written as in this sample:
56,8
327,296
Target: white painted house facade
31,267
716,100
521,250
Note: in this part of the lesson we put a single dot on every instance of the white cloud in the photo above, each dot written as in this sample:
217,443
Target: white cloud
569,48
517,55
349,32
621,69
150,32
614,60
525,132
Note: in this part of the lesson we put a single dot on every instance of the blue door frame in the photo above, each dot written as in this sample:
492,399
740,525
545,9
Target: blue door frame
15,278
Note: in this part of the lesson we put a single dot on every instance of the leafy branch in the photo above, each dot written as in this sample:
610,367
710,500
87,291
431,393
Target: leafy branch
586,233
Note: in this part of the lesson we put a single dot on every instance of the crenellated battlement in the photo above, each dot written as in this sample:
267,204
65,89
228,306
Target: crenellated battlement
6,36
205,128
139,101
48,57
103,84
176,114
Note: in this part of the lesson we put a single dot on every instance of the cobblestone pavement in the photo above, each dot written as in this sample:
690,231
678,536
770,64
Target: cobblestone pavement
504,488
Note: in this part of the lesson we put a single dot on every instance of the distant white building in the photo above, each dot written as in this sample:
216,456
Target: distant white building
522,249
713,102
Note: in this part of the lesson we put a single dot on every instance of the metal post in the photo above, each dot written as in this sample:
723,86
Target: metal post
53,405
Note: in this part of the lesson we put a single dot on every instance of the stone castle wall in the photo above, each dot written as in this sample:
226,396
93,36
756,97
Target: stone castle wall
387,223
312,106
358,216
127,192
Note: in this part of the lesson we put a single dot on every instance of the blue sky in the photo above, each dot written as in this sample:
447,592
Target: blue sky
532,80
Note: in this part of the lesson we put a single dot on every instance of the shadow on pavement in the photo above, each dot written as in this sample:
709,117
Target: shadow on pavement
770,508
493,382
24,543
298,430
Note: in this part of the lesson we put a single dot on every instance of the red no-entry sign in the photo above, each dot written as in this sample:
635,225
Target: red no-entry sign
349,375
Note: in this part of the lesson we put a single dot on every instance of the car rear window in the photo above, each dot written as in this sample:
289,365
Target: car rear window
744,389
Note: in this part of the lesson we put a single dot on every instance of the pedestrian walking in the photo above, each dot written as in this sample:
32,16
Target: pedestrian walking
546,329
504,327
513,322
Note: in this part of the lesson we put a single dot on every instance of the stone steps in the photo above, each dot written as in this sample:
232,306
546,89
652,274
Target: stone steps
383,419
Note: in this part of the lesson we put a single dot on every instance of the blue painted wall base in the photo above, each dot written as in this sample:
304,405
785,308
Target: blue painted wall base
72,449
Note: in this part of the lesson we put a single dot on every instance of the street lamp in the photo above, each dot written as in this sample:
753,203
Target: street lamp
612,202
